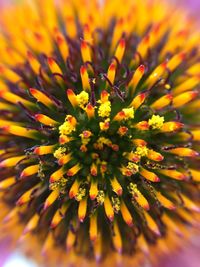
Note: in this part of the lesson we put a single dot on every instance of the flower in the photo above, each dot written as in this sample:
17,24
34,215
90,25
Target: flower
99,129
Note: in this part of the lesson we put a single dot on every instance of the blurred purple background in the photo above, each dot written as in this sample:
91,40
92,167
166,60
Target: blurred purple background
190,3
193,6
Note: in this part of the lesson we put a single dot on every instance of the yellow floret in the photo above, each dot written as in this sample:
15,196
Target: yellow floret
59,185
132,166
142,151
82,99
116,204
104,109
133,188
81,193
85,137
59,152
129,113
156,122
66,128
86,134
104,126
100,197
103,141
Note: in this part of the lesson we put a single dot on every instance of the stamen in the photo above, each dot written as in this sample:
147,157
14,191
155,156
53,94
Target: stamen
173,174
138,101
171,126
117,241
30,170
162,102
176,60
43,150
72,98
90,111
85,79
137,76
116,186
93,227
126,214
85,52
152,224
156,75
184,98
6,183
186,85
25,197
188,203
82,209
151,176
93,190
59,215
74,189
35,65
70,240
45,120
11,162
120,50
15,99
196,135
32,224
138,196
108,208
41,97
65,159
54,67
143,46
153,155
62,44
142,125
74,170
165,201
87,33
183,152
111,73
57,175
51,199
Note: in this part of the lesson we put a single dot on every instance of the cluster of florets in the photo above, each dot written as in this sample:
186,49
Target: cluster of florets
111,154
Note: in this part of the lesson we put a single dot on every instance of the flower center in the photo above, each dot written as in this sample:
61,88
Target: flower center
97,146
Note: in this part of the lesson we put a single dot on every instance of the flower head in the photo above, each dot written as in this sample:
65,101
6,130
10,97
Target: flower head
99,129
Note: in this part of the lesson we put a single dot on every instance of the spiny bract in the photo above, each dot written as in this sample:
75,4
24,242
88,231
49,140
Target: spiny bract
99,122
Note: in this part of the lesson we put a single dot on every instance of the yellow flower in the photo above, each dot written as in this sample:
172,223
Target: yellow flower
104,126
156,122
66,128
141,151
59,152
129,113
82,99
104,109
